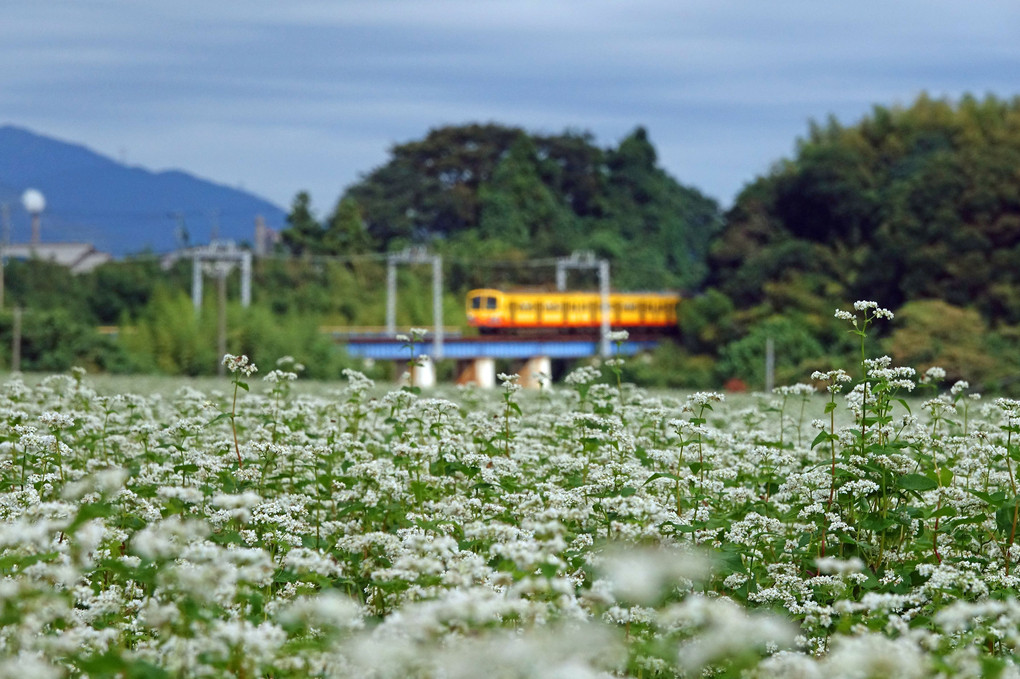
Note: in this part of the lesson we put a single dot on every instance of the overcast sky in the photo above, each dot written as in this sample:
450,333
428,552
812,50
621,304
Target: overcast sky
279,96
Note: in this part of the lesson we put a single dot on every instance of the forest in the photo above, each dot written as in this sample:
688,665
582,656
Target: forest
916,207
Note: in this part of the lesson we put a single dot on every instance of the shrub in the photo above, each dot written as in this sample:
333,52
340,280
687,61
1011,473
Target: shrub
932,332
796,350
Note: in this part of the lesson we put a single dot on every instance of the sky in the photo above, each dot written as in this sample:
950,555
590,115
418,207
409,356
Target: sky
278,97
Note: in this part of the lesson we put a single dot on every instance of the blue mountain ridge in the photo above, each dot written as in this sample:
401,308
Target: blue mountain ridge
120,209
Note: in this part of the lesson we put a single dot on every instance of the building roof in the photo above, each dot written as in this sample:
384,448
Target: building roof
78,257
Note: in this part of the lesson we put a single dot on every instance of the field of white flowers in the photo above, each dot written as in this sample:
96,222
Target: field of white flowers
586,530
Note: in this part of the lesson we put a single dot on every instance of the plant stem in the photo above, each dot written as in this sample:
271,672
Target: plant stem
233,426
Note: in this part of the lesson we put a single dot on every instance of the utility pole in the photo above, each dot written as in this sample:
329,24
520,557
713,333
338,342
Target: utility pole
218,260
16,341
437,307
5,235
604,300
260,236
221,317
586,260
214,234
416,256
391,296
181,232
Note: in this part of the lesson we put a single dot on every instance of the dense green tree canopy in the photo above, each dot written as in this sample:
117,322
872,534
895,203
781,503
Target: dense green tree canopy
500,192
921,202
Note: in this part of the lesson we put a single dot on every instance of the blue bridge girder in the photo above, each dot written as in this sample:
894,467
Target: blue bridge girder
486,347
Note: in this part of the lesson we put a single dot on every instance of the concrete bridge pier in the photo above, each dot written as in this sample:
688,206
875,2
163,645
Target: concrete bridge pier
422,373
478,371
477,356
536,373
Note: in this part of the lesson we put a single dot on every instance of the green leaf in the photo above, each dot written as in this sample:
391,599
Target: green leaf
677,527
87,513
822,437
916,482
22,561
548,570
661,475
945,476
221,416
994,499
965,520
1004,519
877,523
243,385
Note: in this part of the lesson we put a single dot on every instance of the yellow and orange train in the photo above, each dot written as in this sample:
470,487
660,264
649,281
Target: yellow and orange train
493,310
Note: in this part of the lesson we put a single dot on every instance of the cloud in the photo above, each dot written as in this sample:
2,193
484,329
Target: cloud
315,91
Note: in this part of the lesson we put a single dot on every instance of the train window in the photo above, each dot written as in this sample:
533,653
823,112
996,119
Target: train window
629,306
476,302
552,306
490,302
526,306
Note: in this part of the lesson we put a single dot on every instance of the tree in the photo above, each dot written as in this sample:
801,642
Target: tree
911,203
933,333
304,233
429,188
668,226
518,209
523,195
345,232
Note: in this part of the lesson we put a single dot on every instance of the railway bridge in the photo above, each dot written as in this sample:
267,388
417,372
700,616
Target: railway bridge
476,356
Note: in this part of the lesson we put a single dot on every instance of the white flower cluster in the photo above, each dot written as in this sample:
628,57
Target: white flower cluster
660,534
239,364
871,310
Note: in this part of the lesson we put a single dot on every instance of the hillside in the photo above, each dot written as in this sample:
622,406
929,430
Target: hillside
916,207
120,209
495,192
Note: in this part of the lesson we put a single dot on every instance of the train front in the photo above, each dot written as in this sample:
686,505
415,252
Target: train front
486,309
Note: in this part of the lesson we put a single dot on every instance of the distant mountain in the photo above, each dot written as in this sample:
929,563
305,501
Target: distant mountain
119,209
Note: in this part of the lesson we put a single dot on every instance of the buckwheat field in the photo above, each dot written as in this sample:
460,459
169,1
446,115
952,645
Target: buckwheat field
845,527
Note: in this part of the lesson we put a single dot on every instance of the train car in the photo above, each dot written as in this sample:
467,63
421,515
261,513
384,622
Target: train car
497,311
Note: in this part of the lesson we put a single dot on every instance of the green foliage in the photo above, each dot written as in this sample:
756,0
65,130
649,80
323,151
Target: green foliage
666,226
499,192
304,234
54,340
797,352
345,232
168,336
917,207
910,203
518,210
267,338
671,366
934,333
187,345
122,288
40,285
707,321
